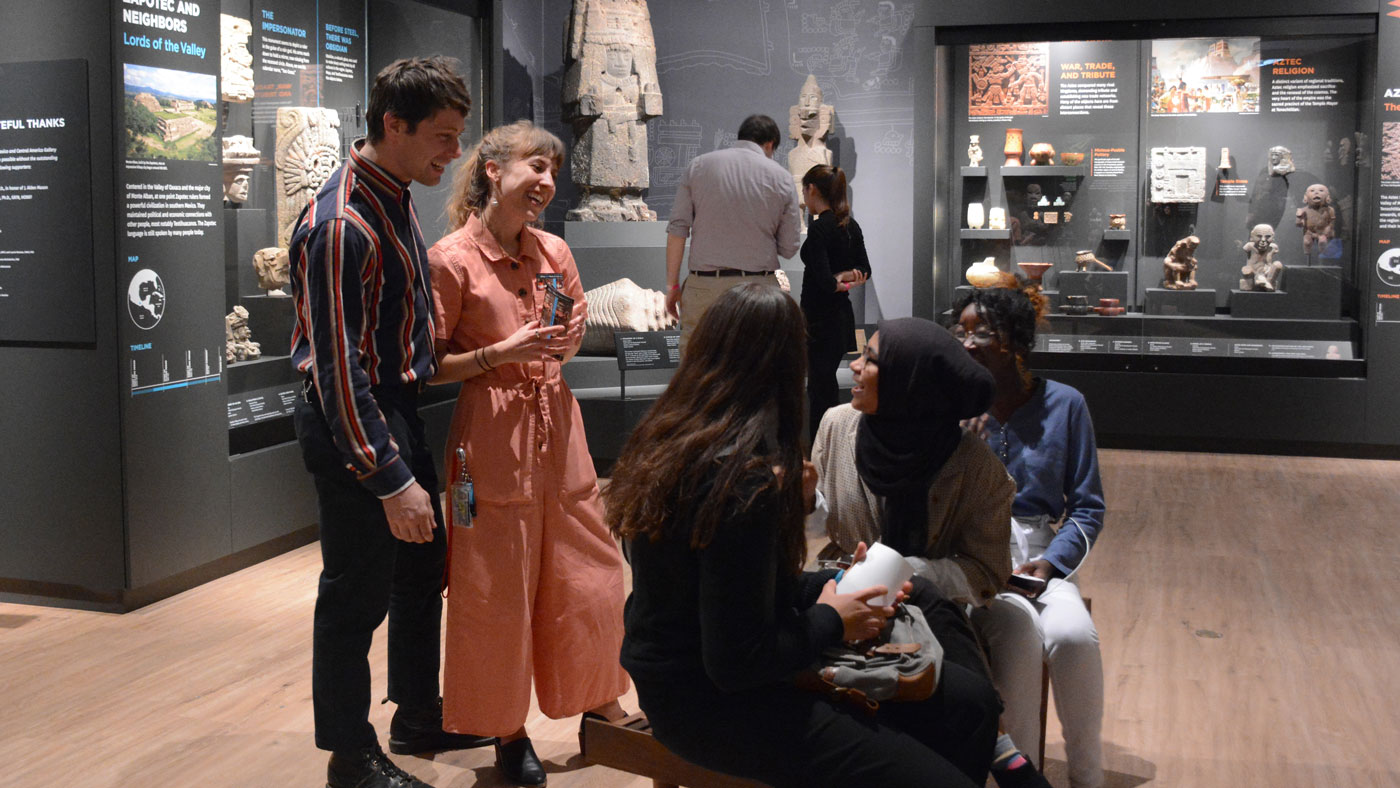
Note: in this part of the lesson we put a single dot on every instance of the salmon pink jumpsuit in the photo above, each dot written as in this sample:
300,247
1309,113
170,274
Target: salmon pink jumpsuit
535,585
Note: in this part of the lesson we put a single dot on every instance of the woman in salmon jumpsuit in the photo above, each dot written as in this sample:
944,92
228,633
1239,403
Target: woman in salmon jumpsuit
535,582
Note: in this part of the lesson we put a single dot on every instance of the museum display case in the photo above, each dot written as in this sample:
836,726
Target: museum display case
1175,197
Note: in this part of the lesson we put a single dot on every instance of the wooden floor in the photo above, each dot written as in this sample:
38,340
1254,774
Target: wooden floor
1248,634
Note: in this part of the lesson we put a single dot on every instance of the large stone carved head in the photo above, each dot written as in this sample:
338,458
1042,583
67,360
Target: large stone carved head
1280,160
273,268
1317,196
1262,236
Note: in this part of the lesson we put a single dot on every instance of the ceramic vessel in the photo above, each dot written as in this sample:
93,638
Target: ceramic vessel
1034,271
1012,149
1117,221
1072,159
983,274
976,216
1042,154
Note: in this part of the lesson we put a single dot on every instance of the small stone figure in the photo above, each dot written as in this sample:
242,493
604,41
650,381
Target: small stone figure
239,158
996,219
809,123
974,151
1085,258
610,92
1261,271
237,62
274,270
1280,161
1316,217
238,337
1179,267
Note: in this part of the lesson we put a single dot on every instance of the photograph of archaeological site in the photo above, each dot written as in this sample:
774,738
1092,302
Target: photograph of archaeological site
169,114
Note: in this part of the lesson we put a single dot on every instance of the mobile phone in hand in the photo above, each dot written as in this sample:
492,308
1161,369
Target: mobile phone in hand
1029,585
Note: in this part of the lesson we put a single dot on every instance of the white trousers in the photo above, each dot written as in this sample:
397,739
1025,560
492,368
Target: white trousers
1054,628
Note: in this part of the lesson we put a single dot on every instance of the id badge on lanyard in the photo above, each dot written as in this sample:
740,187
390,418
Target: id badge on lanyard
463,493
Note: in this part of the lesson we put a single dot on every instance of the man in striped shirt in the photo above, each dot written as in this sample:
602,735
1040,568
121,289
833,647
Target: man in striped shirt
363,339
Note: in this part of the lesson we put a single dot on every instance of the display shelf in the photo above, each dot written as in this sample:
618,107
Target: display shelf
974,172
1045,171
1118,235
984,235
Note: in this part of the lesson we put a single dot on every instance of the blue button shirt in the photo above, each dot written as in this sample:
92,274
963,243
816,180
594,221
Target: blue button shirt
1048,448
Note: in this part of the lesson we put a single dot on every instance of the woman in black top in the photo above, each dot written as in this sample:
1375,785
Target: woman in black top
834,262
710,494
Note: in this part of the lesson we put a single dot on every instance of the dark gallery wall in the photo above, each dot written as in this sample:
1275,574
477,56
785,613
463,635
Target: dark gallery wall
60,473
721,60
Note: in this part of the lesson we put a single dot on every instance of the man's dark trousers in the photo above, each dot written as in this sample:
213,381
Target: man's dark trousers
366,573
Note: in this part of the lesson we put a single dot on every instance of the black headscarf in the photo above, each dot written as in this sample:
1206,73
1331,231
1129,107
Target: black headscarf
927,384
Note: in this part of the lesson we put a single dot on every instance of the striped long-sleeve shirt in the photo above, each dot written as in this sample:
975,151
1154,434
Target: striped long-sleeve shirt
364,311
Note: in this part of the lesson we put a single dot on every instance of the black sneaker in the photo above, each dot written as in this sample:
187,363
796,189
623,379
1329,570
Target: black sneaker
367,768
414,731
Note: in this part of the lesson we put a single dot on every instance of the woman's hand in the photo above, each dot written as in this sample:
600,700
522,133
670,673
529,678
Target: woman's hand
530,342
977,425
859,620
846,280
809,486
573,335
1038,568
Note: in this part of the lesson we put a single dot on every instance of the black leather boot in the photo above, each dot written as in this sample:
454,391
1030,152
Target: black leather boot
518,762
367,768
419,730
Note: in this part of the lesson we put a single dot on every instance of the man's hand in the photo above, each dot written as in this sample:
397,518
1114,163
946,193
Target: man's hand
673,302
809,486
410,514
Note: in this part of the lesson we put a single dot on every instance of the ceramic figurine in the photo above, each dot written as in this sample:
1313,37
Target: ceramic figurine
974,151
1316,217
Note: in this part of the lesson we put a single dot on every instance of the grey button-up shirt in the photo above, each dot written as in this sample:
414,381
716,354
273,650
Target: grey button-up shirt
739,209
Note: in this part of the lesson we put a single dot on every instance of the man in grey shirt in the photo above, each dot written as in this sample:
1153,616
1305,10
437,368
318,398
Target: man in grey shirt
739,209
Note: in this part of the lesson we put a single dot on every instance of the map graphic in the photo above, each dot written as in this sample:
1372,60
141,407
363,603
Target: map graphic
145,299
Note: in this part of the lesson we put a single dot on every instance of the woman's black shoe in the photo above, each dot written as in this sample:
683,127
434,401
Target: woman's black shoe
518,762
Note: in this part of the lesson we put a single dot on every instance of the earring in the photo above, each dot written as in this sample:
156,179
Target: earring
495,201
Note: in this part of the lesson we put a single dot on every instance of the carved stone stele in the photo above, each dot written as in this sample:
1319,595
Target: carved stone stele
809,123
621,306
1178,175
238,337
273,267
239,158
308,151
237,69
610,92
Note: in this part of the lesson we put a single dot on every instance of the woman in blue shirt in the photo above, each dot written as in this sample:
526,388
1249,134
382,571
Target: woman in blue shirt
1041,430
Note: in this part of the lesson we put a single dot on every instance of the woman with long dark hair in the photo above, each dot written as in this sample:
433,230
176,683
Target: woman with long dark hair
1042,431
709,494
835,262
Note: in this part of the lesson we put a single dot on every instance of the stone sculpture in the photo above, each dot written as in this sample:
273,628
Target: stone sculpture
809,123
239,158
1316,217
274,270
622,305
236,83
308,151
610,92
1280,161
1261,271
238,337
976,217
996,219
1179,267
1085,258
974,151
1178,175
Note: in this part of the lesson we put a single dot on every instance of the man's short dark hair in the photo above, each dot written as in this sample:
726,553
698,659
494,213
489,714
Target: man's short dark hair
413,89
760,129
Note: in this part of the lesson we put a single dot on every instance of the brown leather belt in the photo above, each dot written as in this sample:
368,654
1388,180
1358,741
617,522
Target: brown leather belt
731,272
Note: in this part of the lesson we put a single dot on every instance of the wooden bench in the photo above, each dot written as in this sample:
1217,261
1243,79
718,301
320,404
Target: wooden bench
627,745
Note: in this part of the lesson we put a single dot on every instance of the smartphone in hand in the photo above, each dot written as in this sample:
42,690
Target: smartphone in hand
1030,585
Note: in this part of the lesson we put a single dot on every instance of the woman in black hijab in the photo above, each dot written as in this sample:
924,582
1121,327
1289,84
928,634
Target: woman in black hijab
896,467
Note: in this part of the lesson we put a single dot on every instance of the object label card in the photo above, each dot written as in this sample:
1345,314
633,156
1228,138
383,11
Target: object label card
647,349
46,279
